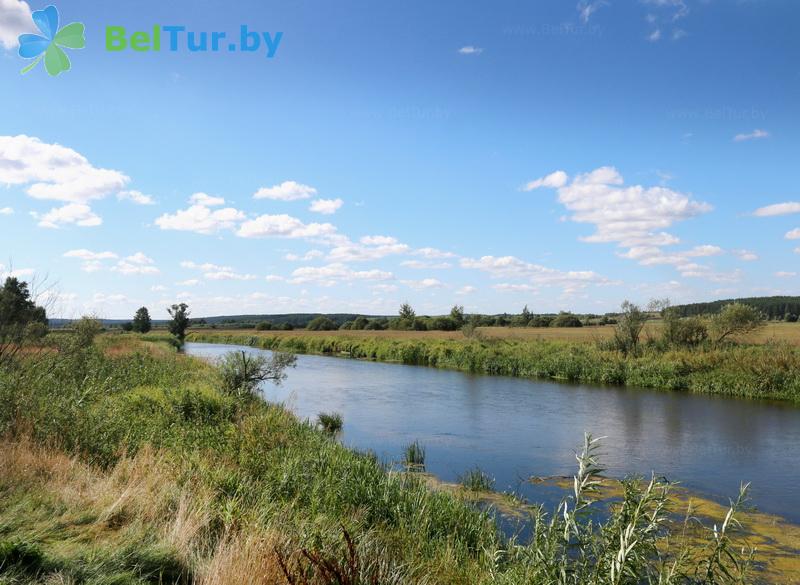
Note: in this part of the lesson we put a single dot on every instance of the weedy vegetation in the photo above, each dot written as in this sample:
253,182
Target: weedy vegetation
331,422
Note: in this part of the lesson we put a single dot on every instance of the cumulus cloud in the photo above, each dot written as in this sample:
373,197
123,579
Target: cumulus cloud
466,290
745,255
784,274
553,180
470,50
15,19
756,134
206,200
284,226
310,255
778,209
425,283
228,275
73,213
201,219
514,268
421,265
16,273
432,253
336,272
326,206
6,211
286,191
88,255
628,215
368,248
136,197
54,172
137,263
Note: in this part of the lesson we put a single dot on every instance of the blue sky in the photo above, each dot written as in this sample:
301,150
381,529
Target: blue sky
557,154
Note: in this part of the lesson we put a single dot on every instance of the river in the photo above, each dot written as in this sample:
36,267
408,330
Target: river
515,428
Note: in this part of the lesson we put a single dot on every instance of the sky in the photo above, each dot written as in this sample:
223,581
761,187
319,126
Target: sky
564,155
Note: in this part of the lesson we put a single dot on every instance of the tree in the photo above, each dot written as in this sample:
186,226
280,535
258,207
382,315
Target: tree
322,323
180,321
360,322
735,319
629,327
263,326
406,312
20,317
564,319
141,321
242,372
457,315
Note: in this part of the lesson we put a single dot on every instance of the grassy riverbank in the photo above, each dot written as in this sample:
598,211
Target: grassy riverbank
769,370
124,462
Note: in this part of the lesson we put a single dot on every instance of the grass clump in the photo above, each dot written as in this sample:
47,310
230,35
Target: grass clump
414,456
330,422
476,480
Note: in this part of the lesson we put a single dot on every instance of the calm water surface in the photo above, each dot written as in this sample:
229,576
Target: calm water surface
514,428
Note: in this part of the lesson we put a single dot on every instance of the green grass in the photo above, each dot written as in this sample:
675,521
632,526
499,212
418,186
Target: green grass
770,370
126,463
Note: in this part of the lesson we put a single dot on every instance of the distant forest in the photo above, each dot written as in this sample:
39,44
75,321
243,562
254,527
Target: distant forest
775,308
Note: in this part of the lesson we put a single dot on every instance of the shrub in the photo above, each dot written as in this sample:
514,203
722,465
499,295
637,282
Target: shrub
263,326
476,480
735,319
566,320
243,372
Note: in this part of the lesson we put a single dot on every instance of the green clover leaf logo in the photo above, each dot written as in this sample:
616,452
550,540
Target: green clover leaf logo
48,46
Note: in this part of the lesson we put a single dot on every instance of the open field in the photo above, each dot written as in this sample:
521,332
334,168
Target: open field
126,463
773,331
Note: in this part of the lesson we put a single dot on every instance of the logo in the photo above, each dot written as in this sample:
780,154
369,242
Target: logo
49,45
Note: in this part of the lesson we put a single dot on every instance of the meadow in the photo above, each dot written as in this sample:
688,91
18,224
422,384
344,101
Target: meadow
126,462
765,364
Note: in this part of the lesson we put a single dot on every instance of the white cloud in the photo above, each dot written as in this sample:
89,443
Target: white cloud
284,226
470,50
286,191
432,253
793,234
205,267
368,248
553,181
6,211
18,273
206,200
88,255
512,267
136,197
54,172
200,219
15,19
754,135
778,209
515,288
336,272
136,264
425,283
466,290
654,36
274,278
310,255
745,255
782,274
628,215
72,213
189,282
228,275
797,250
421,265
326,206
587,8
158,288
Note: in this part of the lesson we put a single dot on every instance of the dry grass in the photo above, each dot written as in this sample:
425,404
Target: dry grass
138,492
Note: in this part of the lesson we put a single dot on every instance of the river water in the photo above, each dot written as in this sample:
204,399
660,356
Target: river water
516,428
